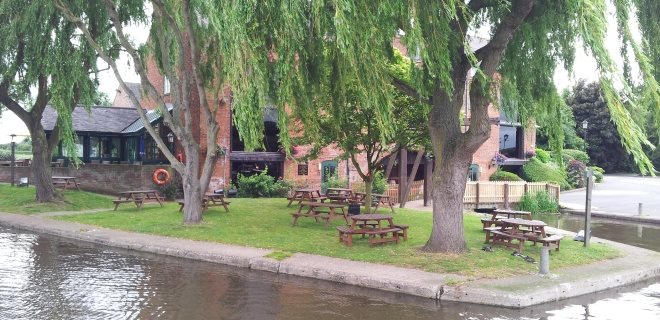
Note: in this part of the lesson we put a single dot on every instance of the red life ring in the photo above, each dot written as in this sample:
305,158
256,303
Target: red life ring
161,177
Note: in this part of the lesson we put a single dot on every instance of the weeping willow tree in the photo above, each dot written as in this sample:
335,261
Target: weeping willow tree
182,47
42,61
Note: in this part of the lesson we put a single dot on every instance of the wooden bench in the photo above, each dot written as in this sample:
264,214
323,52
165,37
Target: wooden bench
138,202
550,241
382,233
346,234
488,232
488,222
313,214
506,239
404,231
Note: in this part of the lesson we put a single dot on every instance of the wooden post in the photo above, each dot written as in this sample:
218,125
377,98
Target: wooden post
506,196
428,179
477,191
526,189
403,173
587,208
390,164
411,178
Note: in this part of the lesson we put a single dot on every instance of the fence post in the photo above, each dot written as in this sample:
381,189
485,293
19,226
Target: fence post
506,196
477,191
525,189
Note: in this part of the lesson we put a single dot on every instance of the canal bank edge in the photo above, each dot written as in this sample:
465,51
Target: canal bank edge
516,292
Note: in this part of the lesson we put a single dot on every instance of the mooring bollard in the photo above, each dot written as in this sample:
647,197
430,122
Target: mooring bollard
639,209
544,264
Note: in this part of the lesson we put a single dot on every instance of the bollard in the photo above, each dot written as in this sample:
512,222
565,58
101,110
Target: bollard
639,209
544,264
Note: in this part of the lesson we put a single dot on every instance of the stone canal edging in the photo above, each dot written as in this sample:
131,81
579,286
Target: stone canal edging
516,292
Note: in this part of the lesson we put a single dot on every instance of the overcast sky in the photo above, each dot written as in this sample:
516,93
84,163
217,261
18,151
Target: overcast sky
585,68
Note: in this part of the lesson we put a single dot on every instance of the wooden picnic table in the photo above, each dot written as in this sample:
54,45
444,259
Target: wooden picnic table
5,163
301,195
138,197
210,200
380,228
65,182
376,199
520,230
339,194
319,210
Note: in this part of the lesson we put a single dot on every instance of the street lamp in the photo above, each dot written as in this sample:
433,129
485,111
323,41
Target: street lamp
170,139
585,125
13,157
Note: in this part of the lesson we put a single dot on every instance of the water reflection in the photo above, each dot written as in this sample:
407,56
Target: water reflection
44,277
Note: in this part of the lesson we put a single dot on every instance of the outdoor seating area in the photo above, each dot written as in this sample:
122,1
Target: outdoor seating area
138,197
341,196
17,163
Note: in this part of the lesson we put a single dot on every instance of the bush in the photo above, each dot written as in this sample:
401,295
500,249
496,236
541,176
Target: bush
598,173
542,155
379,186
501,175
169,189
5,155
577,155
540,202
537,171
575,172
333,182
261,186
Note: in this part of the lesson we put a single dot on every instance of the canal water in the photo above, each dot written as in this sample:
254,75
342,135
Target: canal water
44,277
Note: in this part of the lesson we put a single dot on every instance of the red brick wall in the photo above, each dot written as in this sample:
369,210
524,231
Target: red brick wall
100,178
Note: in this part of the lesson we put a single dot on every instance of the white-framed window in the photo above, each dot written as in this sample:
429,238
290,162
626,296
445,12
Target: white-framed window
166,86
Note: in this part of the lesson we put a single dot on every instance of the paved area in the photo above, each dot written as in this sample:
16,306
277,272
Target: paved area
619,195
516,292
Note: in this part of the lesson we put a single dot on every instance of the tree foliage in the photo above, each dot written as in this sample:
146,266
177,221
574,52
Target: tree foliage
603,143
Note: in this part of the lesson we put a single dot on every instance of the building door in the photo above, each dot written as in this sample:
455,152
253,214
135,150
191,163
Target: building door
328,169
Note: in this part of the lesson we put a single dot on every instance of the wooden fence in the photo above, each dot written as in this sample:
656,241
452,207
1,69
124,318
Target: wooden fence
485,192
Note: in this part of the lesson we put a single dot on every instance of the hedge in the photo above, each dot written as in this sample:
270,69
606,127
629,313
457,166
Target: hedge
537,171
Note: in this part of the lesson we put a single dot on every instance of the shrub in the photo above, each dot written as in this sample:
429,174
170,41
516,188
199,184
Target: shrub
577,155
5,155
540,202
169,189
501,175
542,155
530,154
575,173
261,185
598,173
537,171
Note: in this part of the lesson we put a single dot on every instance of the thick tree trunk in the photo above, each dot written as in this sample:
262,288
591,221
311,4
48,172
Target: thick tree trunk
368,186
449,179
41,170
192,187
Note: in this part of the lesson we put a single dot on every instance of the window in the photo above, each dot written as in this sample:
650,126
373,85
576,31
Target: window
151,151
131,149
473,172
79,148
166,86
303,169
94,147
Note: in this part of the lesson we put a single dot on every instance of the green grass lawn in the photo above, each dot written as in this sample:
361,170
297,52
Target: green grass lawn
22,200
266,223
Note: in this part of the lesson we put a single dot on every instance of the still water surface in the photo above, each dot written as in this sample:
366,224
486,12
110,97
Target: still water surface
44,277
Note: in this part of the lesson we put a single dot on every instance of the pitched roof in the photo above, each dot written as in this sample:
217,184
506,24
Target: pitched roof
121,97
98,119
152,115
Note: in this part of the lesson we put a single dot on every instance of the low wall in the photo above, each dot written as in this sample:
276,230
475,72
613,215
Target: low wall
100,178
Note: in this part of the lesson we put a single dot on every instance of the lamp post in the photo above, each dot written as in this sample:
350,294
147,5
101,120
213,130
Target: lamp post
585,125
170,139
13,157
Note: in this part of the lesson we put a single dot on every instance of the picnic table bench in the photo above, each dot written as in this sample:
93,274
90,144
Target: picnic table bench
371,225
376,199
138,197
309,195
65,182
210,200
521,230
319,210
